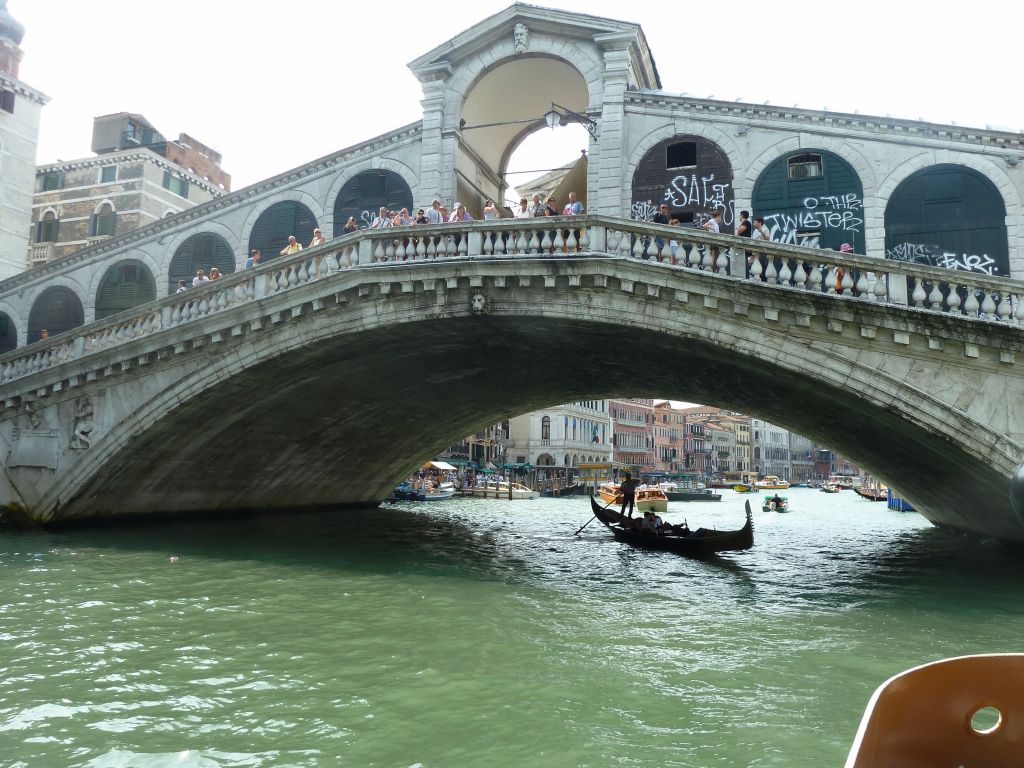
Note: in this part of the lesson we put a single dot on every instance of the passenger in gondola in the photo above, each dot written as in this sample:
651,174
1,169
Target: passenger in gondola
648,524
628,491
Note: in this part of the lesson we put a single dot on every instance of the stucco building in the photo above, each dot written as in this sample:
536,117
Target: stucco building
20,108
563,436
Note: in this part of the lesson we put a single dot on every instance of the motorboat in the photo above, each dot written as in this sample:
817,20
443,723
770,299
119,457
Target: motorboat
426,491
500,489
743,488
646,498
830,488
771,483
698,492
845,482
775,503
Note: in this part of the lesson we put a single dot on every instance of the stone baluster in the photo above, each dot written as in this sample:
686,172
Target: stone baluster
800,276
971,304
785,274
488,244
847,282
571,243
639,249
863,286
389,250
723,261
584,244
558,244
1018,311
378,251
880,288
918,296
814,279
935,297
626,243
988,306
770,275
694,256
535,242
953,299
522,244
463,245
1003,310
755,267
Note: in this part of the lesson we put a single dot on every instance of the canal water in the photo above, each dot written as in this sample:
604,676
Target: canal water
480,633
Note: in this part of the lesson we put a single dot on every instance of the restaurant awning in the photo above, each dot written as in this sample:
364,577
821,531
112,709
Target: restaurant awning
444,466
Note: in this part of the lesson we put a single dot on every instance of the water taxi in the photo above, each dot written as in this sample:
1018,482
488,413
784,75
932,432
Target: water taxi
844,482
647,498
775,504
673,492
771,483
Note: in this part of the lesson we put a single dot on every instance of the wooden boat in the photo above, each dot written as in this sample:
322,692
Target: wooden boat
698,543
775,504
647,498
830,488
771,483
741,488
873,494
674,493
570,490
501,490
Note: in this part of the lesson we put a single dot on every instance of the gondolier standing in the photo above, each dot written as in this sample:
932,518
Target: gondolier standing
628,491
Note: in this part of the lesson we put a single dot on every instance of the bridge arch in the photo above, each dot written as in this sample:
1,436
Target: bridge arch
121,286
692,174
204,251
8,332
813,197
363,193
948,216
56,309
995,173
272,226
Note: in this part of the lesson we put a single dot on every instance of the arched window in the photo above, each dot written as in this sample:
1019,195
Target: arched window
545,428
125,285
104,221
806,166
56,310
48,228
203,251
8,333
948,216
365,194
275,225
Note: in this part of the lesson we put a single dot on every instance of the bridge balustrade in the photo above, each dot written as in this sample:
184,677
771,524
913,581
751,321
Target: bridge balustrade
787,267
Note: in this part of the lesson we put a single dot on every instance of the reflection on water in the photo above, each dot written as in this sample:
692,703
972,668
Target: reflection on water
479,633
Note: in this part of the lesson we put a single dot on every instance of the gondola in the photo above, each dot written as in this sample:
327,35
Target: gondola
699,543
871,494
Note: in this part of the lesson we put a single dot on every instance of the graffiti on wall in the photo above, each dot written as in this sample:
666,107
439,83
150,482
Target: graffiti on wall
699,194
841,213
935,256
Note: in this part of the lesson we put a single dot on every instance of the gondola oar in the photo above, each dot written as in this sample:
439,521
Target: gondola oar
592,519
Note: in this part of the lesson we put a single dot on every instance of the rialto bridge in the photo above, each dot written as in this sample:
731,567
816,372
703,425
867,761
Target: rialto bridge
319,378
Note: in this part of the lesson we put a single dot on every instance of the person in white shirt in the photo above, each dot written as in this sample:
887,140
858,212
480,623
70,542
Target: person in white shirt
434,215
200,278
382,220
523,211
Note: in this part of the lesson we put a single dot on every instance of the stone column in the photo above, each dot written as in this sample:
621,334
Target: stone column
605,172
435,177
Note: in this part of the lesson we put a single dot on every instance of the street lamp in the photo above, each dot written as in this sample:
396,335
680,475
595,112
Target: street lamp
554,118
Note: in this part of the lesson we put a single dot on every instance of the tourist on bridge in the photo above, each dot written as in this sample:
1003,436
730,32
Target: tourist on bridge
253,260
536,207
460,214
350,226
200,278
523,211
434,215
318,239
491,210
294,246
182,287
382,220
574,207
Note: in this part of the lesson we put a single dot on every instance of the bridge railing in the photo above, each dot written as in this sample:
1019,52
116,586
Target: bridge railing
684,248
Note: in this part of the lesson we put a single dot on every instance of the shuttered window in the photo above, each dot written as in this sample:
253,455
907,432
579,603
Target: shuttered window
125,285
203,251
57,309
8,334
365,194
104,222
47,229
272,229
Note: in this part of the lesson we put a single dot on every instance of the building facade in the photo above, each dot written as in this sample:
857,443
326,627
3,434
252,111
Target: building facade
669,438
633,432
563,436
802,456
770,446
136,178
20,108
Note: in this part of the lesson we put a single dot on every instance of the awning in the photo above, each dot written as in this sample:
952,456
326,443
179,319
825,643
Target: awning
444,466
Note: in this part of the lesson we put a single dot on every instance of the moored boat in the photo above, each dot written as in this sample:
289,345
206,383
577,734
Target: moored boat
872,493
698,543
570,490
741,488
771,483
427,492
501,490
775,503
646,498
830,488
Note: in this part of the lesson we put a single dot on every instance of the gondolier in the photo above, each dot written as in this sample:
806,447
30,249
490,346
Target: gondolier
628,491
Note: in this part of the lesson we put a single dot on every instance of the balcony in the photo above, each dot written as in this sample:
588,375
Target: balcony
94,239
40,253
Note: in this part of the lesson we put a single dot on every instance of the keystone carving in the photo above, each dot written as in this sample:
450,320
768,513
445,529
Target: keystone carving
83,425
521,36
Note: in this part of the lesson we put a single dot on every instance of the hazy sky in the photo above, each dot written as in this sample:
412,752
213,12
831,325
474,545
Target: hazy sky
274,85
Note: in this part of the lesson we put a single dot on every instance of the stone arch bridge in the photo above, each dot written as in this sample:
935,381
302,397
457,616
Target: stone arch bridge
323,377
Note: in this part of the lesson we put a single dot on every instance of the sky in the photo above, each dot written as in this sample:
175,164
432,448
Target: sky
272,86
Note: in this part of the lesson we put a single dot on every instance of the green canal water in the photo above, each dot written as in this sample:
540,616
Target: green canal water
480,633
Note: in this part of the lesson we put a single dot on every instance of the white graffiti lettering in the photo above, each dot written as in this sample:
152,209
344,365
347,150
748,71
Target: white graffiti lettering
935,256
700,192
643,210
842,213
